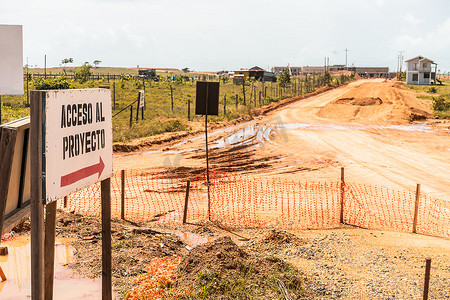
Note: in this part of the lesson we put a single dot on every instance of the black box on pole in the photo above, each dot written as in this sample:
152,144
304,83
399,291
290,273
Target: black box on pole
210,90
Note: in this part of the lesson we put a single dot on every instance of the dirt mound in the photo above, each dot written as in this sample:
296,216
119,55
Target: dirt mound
366,101
377,102
419,115
281,238
132,247
222,270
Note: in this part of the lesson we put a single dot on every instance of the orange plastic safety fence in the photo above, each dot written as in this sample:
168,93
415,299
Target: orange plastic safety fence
246,201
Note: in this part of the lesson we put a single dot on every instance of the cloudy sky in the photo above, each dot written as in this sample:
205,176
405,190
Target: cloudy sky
210,35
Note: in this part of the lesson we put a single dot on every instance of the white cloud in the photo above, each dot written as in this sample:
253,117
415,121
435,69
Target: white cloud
432,41
410,18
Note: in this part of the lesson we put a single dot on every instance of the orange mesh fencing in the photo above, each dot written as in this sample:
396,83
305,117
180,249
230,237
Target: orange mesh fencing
246,201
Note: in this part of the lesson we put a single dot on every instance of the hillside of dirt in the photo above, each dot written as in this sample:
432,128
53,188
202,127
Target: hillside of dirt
378,102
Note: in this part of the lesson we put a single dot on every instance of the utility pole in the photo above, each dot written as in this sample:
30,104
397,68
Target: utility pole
346,50
45,66
401,61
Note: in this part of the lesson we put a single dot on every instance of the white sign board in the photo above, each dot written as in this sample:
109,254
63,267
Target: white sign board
78,140
11,60
141,98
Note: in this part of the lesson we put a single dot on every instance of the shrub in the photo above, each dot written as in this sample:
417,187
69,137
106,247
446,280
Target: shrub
440,103
83,73
432,90
51,83
284,78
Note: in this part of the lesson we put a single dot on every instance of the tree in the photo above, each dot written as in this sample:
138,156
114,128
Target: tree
96,62
83,73
66,61
284,78
185,70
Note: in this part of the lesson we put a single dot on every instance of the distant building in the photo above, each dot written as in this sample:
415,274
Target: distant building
371,72
366,72
256,72
294,71
419,70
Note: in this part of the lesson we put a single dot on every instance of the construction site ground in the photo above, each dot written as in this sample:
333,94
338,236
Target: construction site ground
382,134
378,130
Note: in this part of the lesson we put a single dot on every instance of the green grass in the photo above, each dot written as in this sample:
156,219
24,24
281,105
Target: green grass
439,94
248,283
158,114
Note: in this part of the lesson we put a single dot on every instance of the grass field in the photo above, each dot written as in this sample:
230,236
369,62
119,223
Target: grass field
158,114
440,94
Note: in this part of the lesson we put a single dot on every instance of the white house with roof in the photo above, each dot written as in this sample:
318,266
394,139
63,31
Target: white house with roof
419,70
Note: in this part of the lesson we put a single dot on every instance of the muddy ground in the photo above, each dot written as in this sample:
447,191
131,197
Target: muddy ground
379,131
342,263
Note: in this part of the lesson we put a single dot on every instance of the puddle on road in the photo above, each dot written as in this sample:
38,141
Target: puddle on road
194,240
262,133
17,268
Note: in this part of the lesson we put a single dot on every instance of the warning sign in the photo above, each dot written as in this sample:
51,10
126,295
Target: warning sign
78,140
141,98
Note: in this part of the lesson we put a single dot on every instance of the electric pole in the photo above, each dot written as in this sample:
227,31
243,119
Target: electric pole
346,50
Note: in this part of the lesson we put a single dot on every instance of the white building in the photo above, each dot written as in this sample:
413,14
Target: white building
419,70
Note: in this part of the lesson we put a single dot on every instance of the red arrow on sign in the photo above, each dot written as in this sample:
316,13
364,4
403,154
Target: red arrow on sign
83,173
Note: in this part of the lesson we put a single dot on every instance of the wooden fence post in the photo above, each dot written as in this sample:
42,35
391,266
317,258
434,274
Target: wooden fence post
131,116
243,89
189,110
186,200
171,96
224,104
106,239
122,207
342,195
137,109
114,95
427,278
416,208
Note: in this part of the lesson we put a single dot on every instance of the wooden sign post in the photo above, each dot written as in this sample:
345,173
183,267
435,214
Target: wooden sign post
74,129
207,103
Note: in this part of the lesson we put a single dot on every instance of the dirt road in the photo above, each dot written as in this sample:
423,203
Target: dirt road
364,126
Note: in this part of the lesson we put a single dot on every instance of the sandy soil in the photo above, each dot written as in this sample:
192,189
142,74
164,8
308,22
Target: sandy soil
376,141
382,134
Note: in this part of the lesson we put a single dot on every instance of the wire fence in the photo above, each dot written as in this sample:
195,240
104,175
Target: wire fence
246,201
